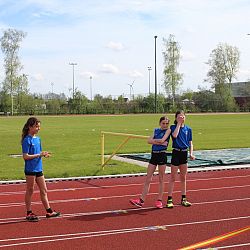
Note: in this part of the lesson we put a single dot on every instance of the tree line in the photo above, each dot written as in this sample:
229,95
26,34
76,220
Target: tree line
223,62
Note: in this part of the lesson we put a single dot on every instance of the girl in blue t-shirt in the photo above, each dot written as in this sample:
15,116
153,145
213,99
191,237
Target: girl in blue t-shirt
159,141
32,155
181,141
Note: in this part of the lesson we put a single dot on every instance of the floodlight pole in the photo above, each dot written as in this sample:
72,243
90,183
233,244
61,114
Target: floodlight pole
73,65
90,82
149,68
52,93
155,79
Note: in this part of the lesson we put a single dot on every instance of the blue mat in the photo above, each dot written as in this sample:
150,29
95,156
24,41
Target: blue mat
206,157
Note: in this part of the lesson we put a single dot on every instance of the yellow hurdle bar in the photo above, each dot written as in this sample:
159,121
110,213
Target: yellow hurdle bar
103,163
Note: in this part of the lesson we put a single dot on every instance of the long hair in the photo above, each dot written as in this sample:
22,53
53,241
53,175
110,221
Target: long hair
177,113
30,123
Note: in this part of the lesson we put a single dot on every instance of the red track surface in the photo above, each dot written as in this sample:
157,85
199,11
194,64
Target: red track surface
96,214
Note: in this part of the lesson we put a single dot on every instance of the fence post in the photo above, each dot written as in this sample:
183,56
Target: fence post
102,148
128,136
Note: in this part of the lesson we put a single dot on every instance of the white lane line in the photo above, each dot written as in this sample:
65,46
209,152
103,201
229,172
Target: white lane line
82,235
232,246
122,185
119,211
4,205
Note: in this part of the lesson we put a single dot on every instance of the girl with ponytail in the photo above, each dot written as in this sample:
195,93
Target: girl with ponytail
32,155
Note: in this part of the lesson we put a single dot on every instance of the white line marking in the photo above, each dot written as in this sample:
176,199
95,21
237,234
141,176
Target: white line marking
4,205
21,219
122,185
232,246
82,235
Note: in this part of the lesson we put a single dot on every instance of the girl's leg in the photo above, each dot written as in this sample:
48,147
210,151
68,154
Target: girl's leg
174,171
43,191
30,182
150,172
183,178
162,169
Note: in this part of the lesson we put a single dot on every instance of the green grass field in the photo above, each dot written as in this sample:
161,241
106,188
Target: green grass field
75,140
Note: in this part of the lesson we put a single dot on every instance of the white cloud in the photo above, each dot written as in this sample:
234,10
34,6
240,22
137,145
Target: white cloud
187,55
135,74
88,74
37,77
61,31
243,74
115,46
109,69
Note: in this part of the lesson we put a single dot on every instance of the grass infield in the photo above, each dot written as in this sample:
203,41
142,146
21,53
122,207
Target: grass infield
75,140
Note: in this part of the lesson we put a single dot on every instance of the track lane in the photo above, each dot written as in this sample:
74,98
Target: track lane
148,218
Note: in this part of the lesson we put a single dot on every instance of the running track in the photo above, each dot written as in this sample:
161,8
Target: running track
96,214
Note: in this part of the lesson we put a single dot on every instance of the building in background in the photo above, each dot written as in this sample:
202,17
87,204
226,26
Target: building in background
241,93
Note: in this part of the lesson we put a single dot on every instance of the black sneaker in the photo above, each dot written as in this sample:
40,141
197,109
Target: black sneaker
53,214
32,217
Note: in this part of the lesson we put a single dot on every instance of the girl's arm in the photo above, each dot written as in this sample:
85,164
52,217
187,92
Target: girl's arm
151,140
191,148
31,157
27,157
164,138
160,141
180,121
176,131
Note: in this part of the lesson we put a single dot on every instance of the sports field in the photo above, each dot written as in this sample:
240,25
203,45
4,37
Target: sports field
75,140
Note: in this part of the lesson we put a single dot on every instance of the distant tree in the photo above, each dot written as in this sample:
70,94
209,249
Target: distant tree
148,103
172,79
224,64
188,94
78,104
207,101
10,45
22,89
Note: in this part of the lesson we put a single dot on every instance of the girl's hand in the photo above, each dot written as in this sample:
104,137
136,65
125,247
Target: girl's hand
192,157
46,154
165,143
180,119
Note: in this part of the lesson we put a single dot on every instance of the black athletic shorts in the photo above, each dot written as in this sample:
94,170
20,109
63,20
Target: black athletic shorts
179,157
37,174
158,158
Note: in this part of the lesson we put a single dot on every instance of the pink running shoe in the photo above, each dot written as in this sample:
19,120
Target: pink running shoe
158,204
136,202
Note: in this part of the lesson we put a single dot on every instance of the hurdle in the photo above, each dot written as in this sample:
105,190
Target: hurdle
127,137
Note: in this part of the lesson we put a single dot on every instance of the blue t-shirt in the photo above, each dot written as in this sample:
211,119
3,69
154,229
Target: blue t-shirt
32,145
183,138
158,134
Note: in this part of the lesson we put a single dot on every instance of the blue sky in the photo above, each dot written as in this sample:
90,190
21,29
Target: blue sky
113,41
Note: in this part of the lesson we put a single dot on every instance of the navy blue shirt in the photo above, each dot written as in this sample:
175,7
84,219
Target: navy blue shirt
158,134
32,145
183,138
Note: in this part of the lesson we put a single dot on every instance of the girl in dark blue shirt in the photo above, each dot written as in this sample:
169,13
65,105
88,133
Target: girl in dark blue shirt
181,141
159,141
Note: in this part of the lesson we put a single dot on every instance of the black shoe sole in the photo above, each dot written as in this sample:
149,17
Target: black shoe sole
135,204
